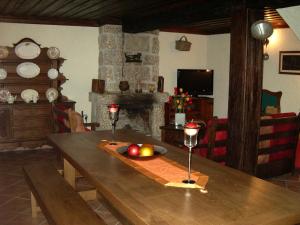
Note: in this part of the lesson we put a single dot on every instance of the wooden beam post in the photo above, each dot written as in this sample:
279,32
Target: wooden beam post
246,70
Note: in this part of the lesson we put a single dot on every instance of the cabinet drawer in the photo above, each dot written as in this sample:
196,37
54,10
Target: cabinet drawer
31,111
40,122
20,133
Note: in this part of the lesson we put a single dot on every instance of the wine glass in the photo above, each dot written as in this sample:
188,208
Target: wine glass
191,130
113,110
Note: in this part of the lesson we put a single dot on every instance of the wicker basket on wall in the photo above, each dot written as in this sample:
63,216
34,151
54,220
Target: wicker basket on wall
183,44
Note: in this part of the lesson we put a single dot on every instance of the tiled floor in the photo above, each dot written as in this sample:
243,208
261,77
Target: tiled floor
15,195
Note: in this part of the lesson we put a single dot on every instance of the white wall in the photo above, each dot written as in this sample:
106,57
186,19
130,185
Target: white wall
207,52
218,55
171,59
79,45
282,40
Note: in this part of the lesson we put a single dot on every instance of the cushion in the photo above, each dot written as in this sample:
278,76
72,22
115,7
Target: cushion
267,100
271,110
76,122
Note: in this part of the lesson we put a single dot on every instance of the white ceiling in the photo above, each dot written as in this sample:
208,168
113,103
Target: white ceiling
291,16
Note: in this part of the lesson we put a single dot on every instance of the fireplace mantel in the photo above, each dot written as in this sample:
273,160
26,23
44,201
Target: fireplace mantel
151,103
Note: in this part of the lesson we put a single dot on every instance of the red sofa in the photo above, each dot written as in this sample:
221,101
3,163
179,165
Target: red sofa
276,149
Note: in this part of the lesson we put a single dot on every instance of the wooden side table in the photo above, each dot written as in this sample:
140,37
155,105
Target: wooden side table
172,134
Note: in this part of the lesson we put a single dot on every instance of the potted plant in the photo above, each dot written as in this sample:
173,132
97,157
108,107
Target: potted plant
180,102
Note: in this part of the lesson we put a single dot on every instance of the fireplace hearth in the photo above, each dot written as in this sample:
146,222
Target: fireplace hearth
143,112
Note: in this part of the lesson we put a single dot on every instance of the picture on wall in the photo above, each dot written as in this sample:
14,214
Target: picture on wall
289,62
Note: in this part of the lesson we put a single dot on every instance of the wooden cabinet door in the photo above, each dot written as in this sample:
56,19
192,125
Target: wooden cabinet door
206,108
5,123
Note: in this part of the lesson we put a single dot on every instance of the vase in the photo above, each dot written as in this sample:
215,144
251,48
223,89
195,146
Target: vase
124,86
179,119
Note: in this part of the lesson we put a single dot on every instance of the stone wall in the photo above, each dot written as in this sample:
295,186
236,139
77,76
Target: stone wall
113,44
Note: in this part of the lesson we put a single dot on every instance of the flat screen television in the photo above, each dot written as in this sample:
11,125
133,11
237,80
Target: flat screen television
196,82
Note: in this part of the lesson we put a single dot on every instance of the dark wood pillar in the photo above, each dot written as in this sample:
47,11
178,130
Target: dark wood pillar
246,68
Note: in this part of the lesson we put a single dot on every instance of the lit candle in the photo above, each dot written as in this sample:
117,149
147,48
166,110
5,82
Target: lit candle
191,128
113,108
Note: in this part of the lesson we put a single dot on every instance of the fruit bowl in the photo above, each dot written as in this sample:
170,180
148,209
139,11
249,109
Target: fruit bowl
157,151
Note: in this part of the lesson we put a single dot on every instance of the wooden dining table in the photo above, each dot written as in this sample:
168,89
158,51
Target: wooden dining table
233,197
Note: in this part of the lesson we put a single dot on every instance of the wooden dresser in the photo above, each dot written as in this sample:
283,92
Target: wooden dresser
27,124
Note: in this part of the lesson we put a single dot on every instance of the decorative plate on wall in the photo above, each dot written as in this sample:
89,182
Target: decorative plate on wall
3,74
4,93
28,70
3,52
29,94
51,94
52,73
53,52
27,50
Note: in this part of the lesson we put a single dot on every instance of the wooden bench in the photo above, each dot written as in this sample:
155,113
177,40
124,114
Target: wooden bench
57,199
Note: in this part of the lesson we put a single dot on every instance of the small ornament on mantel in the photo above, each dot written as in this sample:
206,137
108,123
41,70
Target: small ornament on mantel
160,84
133,57
138,88
124,85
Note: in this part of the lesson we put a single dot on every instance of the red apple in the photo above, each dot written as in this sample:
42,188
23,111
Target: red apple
133,150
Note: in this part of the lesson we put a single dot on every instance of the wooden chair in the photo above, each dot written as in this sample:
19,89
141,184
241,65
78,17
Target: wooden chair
68,120
214,143
270,102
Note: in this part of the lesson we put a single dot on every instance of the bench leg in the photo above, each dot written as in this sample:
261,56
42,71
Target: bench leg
88,195
69,173
34,206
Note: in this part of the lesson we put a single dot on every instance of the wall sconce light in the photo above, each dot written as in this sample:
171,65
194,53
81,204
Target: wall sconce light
261,30
266,55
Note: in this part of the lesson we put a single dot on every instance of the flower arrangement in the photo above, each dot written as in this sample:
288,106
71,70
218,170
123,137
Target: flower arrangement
180,100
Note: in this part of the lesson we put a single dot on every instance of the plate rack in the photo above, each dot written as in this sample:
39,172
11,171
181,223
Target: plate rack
27,124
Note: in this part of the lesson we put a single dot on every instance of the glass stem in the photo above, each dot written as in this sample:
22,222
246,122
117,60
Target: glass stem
190,162
113,127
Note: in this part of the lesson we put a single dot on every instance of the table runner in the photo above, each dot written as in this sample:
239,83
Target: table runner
160,169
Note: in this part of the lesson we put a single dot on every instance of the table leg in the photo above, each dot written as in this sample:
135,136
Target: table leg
70,177
69,173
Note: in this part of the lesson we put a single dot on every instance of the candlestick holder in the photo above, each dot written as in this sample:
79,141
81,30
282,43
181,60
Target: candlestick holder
191,130
113,110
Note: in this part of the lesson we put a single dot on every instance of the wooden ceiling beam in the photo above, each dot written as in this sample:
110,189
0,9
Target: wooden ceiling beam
49,21
97,12
54,7
184,16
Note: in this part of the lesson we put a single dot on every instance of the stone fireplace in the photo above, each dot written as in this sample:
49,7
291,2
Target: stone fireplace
144,116
140,111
